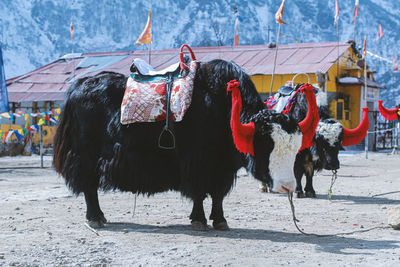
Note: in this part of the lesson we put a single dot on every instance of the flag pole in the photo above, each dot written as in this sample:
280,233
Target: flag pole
276,54
71,29
365,94
396,128
338,50
377,52
150,53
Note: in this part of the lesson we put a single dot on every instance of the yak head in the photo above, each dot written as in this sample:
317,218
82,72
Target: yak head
331,136
272,140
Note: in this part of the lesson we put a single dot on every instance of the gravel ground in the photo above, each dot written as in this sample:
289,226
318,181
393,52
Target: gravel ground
42,224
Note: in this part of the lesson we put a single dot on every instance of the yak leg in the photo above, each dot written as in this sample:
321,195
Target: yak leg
298,173
94,215
217,214
299,188
266,187
197,217
309,183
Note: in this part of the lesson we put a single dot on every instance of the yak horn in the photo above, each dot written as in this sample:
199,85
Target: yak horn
309,124
352,137
243,134
389,114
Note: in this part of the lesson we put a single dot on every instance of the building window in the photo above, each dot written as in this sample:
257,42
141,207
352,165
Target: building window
339,110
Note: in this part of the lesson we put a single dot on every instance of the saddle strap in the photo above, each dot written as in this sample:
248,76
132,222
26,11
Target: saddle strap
167,132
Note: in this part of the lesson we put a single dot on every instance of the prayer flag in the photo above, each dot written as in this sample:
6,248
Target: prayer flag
7,136
5,115
53,120
145,37
279,13
71,30
34,128
355,11
395,64
336,12
364,52
380,32
236,27
18,135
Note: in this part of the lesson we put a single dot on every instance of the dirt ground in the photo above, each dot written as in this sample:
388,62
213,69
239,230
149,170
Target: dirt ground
42,224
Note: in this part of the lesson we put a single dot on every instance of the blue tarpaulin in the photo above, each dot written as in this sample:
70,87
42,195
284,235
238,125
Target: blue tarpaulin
3,86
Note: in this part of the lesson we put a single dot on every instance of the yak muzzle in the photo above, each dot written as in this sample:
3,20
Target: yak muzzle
286,188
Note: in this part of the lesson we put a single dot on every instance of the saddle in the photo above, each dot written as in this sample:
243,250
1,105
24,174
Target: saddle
153,96
285,90
144,71
284,100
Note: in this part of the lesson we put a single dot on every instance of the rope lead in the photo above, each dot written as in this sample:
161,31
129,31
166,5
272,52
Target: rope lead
295,220
333,180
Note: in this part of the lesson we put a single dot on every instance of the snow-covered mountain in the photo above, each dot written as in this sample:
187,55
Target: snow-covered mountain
36,32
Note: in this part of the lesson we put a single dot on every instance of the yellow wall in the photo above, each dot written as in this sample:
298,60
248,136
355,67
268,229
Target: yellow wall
263,82
347,67
48,133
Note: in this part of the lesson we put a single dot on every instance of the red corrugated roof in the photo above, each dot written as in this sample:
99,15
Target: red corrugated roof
49,82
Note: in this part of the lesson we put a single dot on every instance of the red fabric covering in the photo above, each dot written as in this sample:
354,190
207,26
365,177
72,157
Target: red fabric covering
352,137
243,134
310,123
389,114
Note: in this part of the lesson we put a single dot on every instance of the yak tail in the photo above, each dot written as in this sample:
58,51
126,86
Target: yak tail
63,138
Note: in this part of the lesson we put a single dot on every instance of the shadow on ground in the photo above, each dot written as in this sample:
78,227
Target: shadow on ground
331,244
362,199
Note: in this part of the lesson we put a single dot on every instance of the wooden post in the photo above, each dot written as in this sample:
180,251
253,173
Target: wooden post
41,146
338,50
276,54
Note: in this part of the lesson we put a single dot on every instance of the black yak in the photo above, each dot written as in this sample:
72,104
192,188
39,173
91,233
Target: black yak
330,137
93,150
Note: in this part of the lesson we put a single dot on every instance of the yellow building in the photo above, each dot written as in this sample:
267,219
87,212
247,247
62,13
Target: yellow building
342,80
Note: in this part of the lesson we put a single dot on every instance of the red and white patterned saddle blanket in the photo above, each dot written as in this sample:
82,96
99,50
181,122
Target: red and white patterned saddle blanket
144,101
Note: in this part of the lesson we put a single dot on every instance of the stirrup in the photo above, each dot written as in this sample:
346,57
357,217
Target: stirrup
166,132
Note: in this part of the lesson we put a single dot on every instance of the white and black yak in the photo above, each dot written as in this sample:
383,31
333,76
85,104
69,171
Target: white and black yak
329,139
93,150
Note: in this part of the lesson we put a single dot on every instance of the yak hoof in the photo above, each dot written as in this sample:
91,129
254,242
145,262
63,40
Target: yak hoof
199,226
300,194
264,189
95,224
103,219
221,226
311,194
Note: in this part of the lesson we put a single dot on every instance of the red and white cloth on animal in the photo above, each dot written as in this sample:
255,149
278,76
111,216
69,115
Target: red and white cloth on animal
144,100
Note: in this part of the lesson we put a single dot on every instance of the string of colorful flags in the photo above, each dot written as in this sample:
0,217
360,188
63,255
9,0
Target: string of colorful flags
46,114
44,117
